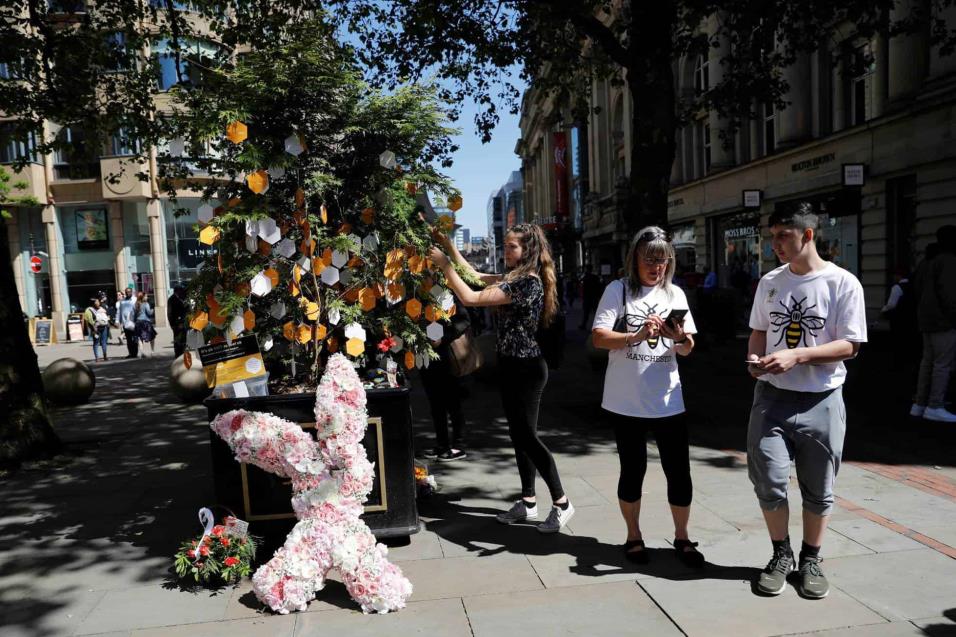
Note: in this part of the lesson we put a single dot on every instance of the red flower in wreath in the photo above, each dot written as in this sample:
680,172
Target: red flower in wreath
224,541
204,550
386,344
231,561
218,530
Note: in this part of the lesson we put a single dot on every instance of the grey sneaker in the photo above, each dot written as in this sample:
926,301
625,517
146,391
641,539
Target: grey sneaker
773,579
556,519
813,583
518,512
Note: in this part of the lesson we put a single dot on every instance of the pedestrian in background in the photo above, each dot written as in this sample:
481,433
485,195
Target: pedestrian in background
526,299
808,316
900,311
126,318
145,332
98,321
444,392
591,289
176,313
642,387
936,315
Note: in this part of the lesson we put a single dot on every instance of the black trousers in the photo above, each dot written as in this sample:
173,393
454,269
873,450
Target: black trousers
670,432
132,343
444,398
522,384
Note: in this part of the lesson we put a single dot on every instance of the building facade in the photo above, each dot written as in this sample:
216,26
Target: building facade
866,137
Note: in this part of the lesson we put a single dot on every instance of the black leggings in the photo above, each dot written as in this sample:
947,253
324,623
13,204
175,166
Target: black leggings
522,384
444,398
672,443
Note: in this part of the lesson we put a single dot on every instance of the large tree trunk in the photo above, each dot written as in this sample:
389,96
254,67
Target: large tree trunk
650,80
25,428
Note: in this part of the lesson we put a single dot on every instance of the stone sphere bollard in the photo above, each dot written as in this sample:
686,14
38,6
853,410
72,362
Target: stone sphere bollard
188,384
68,381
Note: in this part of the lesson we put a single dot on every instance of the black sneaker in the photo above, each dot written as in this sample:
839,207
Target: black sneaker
433,453
450,455
773,579
813,583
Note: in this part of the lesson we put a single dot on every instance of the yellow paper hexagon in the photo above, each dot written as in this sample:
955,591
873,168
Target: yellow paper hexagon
416,264
320,332
303,334
294,288
209,235
312,311
237,132
288,330
249,320
454,203
318,265
355,347
414,309
409,360
273,275
446,223
199,321
258,181
367,298
430,314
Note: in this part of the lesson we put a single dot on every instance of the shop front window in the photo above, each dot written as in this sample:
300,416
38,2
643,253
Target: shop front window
738,254
837,241
184,252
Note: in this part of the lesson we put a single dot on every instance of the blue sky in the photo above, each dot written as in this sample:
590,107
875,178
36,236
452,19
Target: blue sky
480,168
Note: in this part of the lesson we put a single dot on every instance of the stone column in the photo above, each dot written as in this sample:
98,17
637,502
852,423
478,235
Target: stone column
794,121
157,247
908,57
721,150
118,240
60,297
19,266
880,48
756,132
838,82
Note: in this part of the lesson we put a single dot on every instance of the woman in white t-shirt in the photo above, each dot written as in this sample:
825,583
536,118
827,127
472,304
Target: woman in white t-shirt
642,389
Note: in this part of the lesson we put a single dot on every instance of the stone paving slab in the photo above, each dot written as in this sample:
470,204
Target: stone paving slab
596,610
152,606
890,629
445,617
265,626
465,576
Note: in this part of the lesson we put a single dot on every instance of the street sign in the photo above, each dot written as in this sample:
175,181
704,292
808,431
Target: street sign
35,264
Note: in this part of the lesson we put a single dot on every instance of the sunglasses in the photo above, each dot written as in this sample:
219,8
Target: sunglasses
652,235
653,262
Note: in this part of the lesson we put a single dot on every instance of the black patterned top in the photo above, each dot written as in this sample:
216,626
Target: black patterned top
518,321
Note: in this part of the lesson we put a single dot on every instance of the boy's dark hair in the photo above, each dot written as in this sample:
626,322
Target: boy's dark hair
800,216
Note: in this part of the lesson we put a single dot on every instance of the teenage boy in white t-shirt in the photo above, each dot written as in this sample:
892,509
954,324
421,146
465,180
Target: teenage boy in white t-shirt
808,316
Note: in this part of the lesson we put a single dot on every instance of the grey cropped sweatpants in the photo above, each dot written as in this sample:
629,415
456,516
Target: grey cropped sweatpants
803,427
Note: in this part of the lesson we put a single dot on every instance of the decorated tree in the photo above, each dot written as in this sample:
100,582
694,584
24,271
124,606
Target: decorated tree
319,240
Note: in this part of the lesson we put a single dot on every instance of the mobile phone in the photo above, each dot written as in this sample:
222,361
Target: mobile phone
676,317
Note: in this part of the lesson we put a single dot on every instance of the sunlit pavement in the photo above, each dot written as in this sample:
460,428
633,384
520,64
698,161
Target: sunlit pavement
87,538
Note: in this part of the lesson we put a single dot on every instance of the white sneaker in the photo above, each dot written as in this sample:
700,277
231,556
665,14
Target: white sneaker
518,512
556,519
916,411
939,414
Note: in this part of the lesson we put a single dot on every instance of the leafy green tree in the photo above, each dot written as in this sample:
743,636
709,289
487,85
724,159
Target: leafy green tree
25,429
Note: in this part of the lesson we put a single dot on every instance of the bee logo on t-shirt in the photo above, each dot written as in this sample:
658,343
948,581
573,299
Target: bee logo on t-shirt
795,323
638,319
771,295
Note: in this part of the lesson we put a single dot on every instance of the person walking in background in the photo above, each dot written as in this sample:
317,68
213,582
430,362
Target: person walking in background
808,317
114,317
936,316
145,332
176,313
98,322
527,299
642,387
126,318
591,291
900,311
444,392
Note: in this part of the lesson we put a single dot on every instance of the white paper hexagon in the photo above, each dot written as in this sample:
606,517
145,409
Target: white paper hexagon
399,344
330,275
277,310
269,231
267,344
252,228
276,173
446,300
356,242
237,325
205,213
392,300
252,244
437,291
261,284
387,160
293,146
418,361
434,331
195,339
304,263
334,316
370,243
345,277
354,330
285,248
426,361
339,258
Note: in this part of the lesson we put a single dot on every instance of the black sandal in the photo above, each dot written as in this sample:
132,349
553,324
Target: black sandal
637,557
693,557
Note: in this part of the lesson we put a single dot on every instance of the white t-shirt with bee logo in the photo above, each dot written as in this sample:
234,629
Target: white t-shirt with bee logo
642,380
806,311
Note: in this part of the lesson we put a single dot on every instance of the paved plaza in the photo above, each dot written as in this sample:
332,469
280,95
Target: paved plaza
87,538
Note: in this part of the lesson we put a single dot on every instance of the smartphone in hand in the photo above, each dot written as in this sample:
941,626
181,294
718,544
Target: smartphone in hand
675,317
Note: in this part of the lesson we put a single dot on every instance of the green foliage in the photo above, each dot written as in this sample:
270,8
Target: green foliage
222,559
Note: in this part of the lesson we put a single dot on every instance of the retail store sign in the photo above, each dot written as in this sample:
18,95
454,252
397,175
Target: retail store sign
854,174
741,231
813,163
752,198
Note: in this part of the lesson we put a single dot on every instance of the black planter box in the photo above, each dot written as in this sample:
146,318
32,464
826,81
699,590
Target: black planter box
264,499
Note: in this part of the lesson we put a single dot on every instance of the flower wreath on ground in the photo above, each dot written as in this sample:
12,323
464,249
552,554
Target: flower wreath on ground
331,478
224,552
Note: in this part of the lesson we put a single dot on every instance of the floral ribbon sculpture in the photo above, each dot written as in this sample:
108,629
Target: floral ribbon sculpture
331,478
